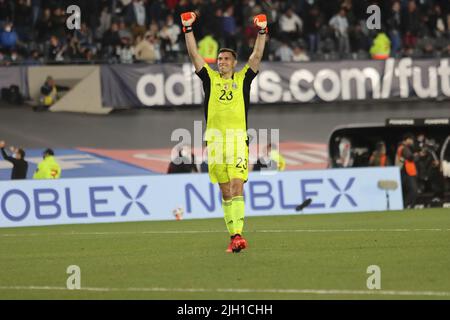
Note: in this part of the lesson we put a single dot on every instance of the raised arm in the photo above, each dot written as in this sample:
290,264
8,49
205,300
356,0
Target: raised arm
255,58
188,19
3,152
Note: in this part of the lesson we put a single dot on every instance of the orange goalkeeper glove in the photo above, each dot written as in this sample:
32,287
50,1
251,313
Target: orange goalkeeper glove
260,21
187,19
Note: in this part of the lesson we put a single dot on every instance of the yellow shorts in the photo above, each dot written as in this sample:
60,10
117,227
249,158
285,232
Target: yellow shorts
227,161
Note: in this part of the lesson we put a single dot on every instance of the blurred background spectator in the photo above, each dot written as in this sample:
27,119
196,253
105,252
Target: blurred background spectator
50,93
271,159
381,47
17,159
339,23
379,157
183,162
34,31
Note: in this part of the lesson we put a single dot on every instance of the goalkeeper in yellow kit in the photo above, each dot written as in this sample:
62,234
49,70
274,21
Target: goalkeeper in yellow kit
227,98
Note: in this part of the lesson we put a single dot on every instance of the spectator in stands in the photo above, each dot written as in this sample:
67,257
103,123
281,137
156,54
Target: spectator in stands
35,21
426,45
111,39
381,47
155,11
394,27
208,48
410,25
291,26
284,52
22,15
105,22
348,6
49,167
74,51
299,54
15,57
246,14
88,55
313,24
145,49
437,22
157,45
56,50
379,157
59,26
44,25
406,160
125,51
339,23
5,11
124,31
35,11
214,21
8,37
20,166
84,36
358,40
169,35
34,58
229,28
171,4
154,28
250,32
136,13
446,52
135,16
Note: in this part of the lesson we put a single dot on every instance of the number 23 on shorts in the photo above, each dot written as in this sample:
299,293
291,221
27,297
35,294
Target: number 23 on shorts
241,163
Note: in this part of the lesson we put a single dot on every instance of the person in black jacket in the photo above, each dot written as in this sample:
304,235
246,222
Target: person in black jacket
184,162
20,166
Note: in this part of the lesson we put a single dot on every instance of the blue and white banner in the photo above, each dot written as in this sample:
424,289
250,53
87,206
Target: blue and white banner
75,164
144,198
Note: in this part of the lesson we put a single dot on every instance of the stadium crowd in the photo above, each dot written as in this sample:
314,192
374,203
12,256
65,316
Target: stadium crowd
128,31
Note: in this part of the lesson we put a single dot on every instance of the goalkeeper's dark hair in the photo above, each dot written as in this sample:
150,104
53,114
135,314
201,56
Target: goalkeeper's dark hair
230,51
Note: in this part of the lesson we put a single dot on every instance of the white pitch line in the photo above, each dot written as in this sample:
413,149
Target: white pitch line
215,231
231,290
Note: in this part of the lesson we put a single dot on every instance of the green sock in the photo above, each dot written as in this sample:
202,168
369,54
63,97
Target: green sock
228,215
238,213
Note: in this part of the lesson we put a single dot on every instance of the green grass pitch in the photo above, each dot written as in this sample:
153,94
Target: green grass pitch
289,257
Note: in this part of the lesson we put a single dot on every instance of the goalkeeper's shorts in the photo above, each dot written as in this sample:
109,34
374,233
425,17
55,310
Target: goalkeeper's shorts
227,161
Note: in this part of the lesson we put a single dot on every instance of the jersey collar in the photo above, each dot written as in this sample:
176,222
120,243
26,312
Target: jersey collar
232,77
